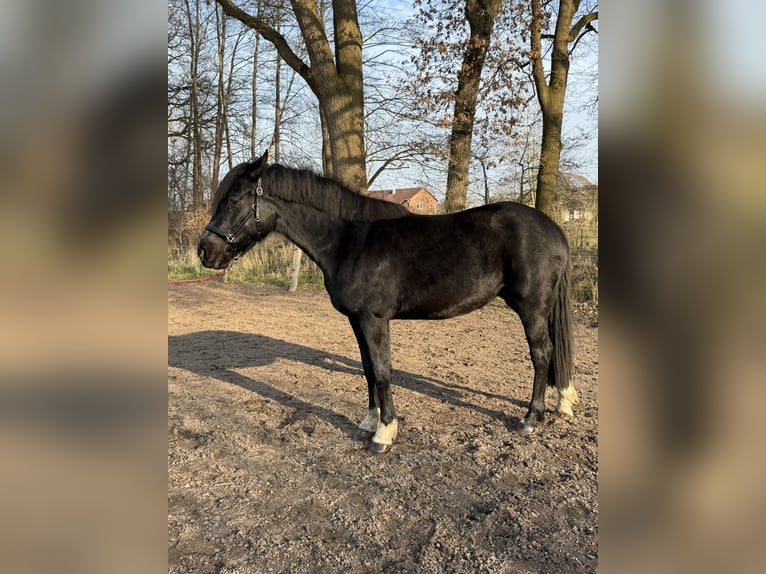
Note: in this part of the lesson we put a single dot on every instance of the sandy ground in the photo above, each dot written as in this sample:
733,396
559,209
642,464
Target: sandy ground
267,471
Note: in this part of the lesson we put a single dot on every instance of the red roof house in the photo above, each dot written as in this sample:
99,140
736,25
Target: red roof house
416,199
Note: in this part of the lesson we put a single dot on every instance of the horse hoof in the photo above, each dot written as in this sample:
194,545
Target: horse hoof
377,448
384,437
525,427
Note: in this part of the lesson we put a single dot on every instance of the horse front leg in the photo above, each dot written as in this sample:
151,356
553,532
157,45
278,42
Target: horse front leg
371,420
372,334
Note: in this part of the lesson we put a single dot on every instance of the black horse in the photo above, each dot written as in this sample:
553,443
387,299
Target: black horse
380,263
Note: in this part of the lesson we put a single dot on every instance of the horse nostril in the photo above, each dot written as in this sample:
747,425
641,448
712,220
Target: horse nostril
201,253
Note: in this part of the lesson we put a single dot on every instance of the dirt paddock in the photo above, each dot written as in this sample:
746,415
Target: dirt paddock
267,471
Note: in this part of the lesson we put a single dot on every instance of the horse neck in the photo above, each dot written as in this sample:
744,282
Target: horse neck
315,232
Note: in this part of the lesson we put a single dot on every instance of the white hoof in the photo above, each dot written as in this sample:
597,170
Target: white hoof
567,398
386,434
371,421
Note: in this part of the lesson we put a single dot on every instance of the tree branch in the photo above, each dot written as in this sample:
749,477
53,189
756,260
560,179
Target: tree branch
586,20
538,72
588,28
406,152
270,34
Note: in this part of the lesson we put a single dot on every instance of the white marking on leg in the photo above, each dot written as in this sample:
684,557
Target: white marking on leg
567,398
370,421
386,433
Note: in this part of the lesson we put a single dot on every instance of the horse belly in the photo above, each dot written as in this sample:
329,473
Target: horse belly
447,299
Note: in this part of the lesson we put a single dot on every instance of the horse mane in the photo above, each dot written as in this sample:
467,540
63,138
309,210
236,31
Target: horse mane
325,194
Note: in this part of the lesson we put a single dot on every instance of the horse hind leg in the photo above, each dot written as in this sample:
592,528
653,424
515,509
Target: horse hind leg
540,350
534,319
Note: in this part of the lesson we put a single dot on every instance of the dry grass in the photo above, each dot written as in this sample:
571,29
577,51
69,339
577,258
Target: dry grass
583,244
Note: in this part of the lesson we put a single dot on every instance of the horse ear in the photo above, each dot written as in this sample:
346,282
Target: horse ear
255,168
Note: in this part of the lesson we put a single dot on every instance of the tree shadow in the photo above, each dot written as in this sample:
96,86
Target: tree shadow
219,354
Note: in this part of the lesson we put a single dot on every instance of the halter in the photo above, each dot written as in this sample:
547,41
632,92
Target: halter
255,211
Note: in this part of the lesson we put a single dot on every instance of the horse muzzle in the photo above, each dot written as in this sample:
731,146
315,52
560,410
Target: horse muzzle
213,252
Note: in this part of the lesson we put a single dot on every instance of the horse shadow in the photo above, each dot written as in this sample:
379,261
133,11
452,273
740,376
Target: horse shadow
219,354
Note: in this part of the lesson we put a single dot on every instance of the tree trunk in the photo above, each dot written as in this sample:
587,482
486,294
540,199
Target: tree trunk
227,99
481,19
338,85
336,80
326,152
551,94
550,155
345,127
195,117
220,105
277,93
254,89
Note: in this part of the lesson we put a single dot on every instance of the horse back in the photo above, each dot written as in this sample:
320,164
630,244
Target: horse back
435,267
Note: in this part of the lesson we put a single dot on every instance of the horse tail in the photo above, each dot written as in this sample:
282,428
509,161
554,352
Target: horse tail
559,328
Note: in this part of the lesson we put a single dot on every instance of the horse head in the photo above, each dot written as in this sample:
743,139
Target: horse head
240,218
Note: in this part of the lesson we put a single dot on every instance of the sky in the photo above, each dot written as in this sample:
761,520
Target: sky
576,118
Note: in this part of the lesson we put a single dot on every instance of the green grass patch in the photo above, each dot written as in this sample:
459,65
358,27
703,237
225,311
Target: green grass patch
188,272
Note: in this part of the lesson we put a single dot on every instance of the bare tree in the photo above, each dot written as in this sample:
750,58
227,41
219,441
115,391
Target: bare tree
481,19
335,78
551,91
220,115
228,94
196,94
195,119
482,39
254,90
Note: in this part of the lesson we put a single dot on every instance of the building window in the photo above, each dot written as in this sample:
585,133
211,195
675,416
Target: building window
420,206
